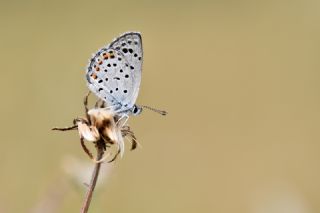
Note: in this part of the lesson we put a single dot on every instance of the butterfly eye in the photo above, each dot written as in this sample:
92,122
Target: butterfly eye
135,110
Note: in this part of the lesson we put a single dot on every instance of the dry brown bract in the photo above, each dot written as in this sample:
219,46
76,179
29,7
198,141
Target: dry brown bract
101,126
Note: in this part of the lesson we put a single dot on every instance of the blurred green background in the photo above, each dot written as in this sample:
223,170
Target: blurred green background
240,80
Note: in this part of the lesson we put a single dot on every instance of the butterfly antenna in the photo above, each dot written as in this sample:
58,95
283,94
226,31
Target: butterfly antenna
161,112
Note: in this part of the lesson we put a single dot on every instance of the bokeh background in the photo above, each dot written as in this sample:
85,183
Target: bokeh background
240,80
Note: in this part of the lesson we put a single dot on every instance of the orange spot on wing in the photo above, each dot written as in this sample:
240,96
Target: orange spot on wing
105,55
94,76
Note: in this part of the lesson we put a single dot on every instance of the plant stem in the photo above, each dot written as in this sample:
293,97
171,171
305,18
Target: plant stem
94,177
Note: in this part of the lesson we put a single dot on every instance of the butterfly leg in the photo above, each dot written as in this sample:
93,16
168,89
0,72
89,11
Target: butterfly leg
111,108
125,117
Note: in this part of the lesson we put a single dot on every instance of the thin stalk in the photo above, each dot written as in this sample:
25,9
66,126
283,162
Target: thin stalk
94,178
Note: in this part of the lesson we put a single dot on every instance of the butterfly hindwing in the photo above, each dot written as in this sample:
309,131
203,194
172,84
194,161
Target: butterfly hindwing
114,73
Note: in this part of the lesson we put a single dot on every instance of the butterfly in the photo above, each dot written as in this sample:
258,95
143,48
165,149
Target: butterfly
114,74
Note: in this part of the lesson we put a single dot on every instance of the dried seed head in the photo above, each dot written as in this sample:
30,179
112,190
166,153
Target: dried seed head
88,133
103,126
103,121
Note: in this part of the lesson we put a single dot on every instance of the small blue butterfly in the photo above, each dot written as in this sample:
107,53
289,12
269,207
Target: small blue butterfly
114,74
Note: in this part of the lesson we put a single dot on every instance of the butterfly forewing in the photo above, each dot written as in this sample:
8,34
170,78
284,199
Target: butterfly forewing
114,73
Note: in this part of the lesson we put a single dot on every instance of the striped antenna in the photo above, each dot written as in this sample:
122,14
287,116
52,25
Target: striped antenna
161,112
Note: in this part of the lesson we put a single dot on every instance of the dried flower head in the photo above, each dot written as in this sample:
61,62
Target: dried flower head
102,126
